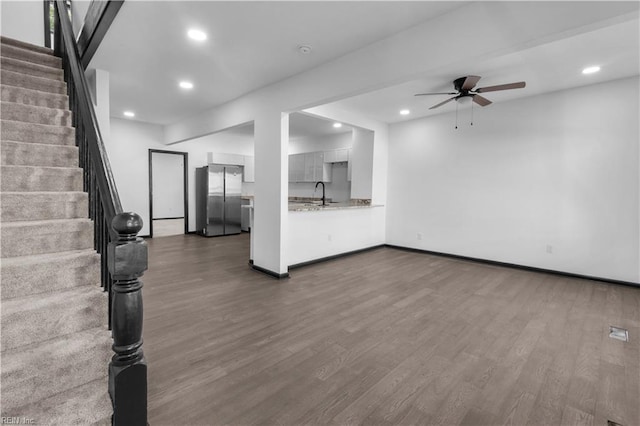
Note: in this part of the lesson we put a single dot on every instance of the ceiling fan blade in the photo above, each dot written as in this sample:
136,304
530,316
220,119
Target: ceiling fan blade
442,103
518,85
441,93
470,81
480,100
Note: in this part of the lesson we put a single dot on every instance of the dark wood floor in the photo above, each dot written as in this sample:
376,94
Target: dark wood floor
380,338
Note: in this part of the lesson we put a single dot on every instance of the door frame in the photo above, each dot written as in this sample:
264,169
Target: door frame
185,167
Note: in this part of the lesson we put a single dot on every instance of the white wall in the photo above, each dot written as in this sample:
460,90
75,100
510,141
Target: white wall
550,181
98,81
23,20
79,10
317,234
128,150
320,143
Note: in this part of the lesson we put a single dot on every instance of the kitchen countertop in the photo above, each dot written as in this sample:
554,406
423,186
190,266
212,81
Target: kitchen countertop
317,206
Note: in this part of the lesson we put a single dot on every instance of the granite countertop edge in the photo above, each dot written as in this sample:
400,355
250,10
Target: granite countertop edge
302,208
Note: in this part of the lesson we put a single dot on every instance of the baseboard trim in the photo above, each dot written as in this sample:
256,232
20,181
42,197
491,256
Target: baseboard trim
168,218
268,272
335,256
515,266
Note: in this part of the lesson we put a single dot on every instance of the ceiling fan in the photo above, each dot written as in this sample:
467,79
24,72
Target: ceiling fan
464,89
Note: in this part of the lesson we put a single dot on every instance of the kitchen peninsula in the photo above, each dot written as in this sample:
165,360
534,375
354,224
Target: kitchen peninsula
317,232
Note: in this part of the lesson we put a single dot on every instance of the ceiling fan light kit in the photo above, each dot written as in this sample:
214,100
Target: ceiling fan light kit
464,90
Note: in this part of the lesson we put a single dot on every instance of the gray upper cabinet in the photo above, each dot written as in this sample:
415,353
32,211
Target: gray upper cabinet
309,167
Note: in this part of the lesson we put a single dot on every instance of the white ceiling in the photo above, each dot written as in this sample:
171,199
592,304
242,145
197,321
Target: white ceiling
545,68
250,45
254,44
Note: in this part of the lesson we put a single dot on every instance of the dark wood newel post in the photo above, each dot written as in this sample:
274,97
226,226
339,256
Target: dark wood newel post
127,259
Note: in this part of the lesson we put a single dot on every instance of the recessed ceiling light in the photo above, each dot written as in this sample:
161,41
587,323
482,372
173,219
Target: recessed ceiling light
405,112
337,125
304,49
591,70
197,35
186,85
129,114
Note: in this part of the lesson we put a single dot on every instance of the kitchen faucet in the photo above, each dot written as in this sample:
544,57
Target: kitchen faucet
324,200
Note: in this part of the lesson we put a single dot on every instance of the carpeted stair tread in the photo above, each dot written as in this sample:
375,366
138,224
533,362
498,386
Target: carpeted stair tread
30,55
26,206
35,114
35,372
49,272
11,78
89,403
7,41
19,131
38,178
37,154
35,318
30,68
45,236
20,95
54,338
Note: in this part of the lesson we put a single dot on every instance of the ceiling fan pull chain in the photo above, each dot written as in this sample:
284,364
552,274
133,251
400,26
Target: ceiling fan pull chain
456,114
471,113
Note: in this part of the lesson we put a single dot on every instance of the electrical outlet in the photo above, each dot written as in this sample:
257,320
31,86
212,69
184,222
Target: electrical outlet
549,249
419,236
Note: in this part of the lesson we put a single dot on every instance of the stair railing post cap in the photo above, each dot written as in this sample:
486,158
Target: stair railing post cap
127,223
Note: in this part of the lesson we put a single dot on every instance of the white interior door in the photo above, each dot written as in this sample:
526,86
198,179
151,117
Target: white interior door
167,175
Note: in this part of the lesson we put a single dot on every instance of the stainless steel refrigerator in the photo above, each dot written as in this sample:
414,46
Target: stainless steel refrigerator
218,190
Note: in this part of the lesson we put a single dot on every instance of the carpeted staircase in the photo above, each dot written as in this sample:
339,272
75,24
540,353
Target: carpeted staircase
55,346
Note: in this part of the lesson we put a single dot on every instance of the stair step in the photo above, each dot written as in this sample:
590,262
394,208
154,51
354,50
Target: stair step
25,206
20,95
51,272
36,178
31,319
10,78
37,154
24,45
19,131
36,372
29,55
35,114
45,236
89,404
24,67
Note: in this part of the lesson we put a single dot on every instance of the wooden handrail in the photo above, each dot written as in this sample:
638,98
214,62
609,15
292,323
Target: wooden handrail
104,176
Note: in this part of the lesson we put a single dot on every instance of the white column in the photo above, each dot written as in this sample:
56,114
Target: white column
271,192
362,164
